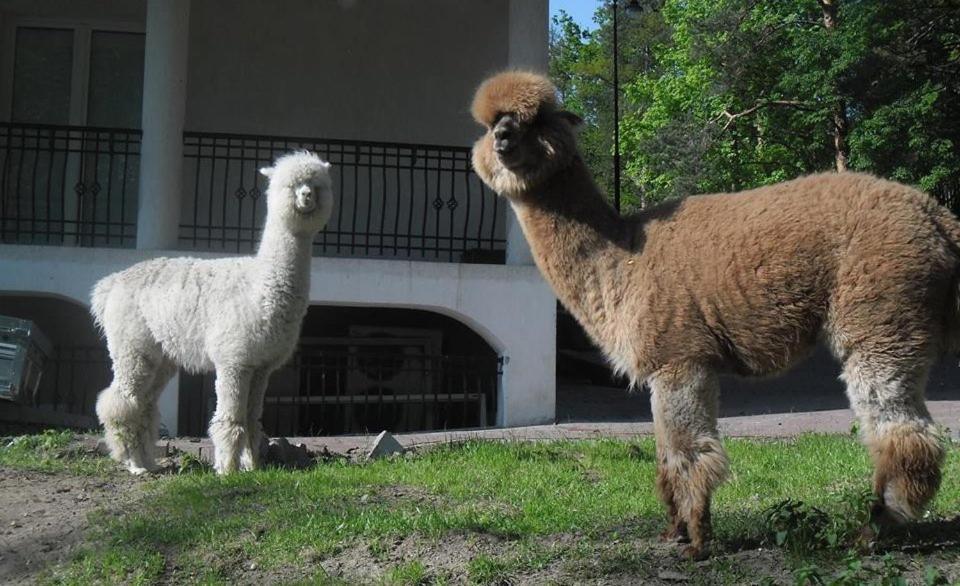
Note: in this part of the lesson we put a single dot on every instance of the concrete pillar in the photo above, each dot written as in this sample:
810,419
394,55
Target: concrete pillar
169,405
164,103
528,48
529,35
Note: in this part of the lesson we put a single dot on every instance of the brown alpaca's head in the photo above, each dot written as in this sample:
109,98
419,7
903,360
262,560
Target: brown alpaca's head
528,138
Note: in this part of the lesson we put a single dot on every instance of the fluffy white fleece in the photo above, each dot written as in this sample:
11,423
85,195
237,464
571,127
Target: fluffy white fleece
239,317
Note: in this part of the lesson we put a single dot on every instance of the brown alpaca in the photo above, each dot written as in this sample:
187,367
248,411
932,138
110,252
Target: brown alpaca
743,283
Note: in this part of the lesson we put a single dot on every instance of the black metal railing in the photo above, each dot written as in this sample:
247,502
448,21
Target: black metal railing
392,200
342,392
73,378
68,185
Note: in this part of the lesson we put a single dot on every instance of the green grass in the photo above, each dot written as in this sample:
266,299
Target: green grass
50,451
600,492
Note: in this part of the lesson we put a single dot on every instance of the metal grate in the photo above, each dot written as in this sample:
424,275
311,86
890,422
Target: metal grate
73,379
68,185
340,392
392,200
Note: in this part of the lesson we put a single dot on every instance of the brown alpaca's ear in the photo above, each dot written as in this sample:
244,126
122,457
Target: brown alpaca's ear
572,119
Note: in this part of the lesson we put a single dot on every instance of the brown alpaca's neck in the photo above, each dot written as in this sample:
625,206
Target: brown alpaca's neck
580,244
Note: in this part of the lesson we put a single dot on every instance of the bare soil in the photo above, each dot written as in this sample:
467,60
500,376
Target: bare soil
44,516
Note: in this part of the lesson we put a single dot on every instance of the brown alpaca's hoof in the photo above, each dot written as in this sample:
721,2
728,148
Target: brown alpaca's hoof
882,525
866,541
695,553
675,535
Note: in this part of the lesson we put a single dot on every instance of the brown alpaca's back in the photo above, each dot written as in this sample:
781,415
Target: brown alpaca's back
761,273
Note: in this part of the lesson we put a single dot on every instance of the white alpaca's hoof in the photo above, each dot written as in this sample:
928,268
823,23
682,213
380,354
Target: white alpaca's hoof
137,470
223,469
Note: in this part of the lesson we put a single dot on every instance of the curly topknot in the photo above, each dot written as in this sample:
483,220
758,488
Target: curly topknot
522,93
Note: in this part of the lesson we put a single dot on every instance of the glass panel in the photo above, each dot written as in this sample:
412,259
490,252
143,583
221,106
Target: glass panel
43,64
116,79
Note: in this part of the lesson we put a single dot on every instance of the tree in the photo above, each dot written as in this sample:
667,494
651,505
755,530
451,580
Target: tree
581,65
731,94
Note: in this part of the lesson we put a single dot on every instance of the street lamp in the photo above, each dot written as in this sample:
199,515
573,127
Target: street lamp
632,8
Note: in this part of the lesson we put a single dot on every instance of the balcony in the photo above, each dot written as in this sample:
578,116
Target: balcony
77,186
68,185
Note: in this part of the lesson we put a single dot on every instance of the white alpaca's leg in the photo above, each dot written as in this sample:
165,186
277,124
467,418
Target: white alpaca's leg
691,461
228,429
148,440
906,448
124,409
251,451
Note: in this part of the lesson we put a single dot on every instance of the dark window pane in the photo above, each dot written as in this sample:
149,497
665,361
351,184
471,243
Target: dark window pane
116,79
43,64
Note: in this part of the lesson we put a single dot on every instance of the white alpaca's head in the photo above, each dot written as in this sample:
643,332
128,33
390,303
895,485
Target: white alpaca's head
300,193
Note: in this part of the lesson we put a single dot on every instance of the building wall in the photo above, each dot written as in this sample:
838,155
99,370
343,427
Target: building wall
509,306
398,70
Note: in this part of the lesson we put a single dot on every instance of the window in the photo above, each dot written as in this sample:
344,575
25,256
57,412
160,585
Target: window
77,74
42,71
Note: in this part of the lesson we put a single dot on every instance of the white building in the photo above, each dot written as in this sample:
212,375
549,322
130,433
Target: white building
134,128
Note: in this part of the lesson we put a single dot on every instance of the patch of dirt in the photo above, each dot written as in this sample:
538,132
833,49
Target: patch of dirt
43,516
573,559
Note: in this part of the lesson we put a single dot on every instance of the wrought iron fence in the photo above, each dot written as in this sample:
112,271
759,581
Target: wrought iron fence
392,200
338,392
72,379
68,185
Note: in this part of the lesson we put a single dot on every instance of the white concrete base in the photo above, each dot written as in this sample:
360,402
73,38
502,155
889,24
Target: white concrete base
508,305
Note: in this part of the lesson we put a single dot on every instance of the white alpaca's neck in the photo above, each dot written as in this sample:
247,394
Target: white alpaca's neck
283,268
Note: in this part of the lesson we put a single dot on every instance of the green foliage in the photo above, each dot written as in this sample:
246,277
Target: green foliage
855,571
408,574
50,451
581,65
725,95
801,528
484,569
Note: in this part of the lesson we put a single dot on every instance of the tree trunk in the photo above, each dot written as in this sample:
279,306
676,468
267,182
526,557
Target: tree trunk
841,125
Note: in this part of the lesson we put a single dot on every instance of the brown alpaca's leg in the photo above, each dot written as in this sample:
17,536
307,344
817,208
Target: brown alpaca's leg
676,527
691,461
905,446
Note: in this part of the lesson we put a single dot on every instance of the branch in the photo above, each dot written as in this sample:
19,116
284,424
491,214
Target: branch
760,104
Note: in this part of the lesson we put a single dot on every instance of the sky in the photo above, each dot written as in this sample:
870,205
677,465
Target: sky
581,10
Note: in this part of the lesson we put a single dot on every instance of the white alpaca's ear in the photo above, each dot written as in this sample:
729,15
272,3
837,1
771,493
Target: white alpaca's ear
266,171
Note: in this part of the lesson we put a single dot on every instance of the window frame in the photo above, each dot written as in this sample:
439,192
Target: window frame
80,73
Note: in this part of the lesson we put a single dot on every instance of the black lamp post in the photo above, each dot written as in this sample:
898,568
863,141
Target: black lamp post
633,7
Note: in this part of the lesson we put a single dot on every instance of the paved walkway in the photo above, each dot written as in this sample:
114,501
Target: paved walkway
774,425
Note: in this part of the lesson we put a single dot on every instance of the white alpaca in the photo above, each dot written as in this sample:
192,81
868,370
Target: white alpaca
238,316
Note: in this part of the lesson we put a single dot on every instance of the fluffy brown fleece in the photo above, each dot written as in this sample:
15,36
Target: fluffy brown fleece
738,282
518,92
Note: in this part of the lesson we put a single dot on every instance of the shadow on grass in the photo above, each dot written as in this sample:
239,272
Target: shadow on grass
923,536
